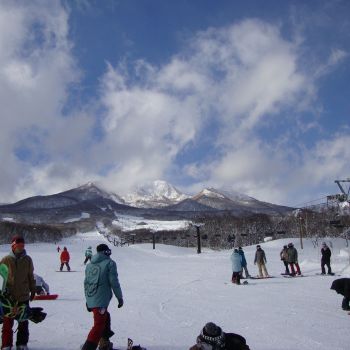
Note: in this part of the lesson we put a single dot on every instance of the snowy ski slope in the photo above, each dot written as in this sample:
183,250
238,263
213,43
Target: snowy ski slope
171,292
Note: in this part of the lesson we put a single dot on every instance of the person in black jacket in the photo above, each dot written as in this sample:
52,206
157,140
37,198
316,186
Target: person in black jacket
212,337
326,259
342,286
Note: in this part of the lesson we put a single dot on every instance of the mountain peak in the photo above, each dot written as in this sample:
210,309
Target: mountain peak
158,193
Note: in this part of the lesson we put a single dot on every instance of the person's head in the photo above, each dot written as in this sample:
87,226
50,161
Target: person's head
324,245
103,249
258,246
290,245
211,337
235,250
240,248
64,248
17,244
285,247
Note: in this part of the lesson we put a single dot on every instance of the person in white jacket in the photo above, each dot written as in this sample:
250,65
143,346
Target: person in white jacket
41,287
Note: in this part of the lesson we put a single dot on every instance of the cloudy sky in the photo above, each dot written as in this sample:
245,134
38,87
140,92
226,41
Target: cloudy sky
195,92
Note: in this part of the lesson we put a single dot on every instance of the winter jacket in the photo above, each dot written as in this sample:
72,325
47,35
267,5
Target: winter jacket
39,282
342,286
88,253
260,256
65,256
326,254
236,260
101,278
284,254
20,282
292,255
244,261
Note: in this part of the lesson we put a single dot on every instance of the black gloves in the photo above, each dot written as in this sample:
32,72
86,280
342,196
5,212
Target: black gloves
120,303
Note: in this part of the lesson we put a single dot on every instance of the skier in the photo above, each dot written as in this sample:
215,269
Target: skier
65,257
41,287
284,258
342,286
21,290
244,263
293,259
260,260
101,278
58,249
88,255
213,338
236,260
326,259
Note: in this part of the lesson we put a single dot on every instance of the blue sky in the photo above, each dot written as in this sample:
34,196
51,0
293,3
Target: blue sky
248,95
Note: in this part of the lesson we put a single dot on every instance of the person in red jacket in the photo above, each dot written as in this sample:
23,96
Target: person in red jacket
65,259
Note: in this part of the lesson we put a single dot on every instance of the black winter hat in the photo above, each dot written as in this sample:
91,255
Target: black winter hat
213,335
103,248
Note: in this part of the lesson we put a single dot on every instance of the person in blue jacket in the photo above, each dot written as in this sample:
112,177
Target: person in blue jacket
244,263
236,260
101,282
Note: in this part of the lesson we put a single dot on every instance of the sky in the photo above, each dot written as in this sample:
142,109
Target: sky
234,94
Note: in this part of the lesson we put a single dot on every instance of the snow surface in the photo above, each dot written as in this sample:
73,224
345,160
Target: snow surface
82,216
171,292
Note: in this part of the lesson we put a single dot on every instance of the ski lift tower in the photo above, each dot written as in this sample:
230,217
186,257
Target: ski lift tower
335,199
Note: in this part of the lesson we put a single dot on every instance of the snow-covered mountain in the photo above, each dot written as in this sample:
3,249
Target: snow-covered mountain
236,202
156,194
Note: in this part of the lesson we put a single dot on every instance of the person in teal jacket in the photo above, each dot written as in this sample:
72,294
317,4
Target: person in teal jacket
236,260
101,282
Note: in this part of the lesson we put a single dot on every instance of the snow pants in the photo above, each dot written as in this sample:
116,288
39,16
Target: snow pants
7,332
65,263
236,277
245,271
286,267
293,270
100,329
328,264
345,303
262,270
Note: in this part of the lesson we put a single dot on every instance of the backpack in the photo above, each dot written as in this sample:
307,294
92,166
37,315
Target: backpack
92,276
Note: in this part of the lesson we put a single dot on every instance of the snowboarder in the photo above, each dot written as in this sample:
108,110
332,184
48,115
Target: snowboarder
260,260
65,257
326,259
293,259
342,286
244,263
101,279
41,287
213,338
88,255
236,260
20,289
58,249
284,258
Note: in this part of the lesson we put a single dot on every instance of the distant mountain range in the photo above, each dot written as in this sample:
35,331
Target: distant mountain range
159,200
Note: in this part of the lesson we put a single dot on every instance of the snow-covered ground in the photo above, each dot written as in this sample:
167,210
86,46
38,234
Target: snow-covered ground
171,292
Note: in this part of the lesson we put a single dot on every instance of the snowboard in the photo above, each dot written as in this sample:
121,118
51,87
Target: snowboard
260,278
46,297
67,271
327,274
295,276
4,271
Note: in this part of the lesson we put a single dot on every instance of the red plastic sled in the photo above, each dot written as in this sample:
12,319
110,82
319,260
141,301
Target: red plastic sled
46,297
